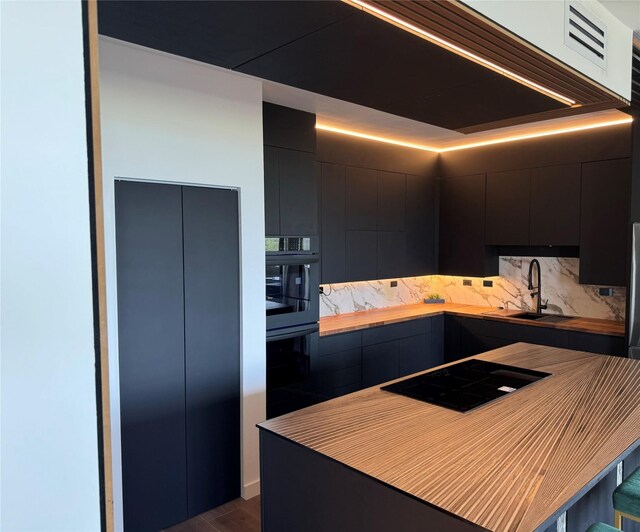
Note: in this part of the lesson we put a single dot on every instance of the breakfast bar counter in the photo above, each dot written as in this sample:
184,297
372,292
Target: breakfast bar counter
377,461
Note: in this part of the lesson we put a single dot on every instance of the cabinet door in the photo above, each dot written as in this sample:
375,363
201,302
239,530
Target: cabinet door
361,255
421,225
271,192
151,354
380,363
391,201
462,228
597,343
298,193
212,344
361,199
508,208
392,250
333,223
604,222
555,206
416,354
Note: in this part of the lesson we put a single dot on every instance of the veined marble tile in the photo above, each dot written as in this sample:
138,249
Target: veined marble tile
559,285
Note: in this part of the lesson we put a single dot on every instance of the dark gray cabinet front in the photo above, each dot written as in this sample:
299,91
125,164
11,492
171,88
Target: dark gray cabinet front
508,208
392,191
361,255
212,334
179,356
555,205
290,188
361,199
392,253
604,222
333,223
462,228
298,193
151,354
421,226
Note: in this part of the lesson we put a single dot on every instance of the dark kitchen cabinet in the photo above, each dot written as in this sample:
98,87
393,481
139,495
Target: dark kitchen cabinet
361,199
507,207
333,223
462,228
421,226
283,127
380,363
391,200
393,351
298,193
597,343
290,192
271,191
151,354
604,222
361,255
555,205
179,353
290,184
338,369
392,252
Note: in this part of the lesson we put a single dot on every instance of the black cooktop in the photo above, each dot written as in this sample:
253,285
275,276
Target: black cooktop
466,385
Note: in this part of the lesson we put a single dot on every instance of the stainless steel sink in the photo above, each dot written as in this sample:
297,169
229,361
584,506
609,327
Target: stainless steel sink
543,318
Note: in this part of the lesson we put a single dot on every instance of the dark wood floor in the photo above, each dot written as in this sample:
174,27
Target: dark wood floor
235,516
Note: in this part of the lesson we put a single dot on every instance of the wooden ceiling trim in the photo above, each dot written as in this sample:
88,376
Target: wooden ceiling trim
448,24
508,51
455,22
538,52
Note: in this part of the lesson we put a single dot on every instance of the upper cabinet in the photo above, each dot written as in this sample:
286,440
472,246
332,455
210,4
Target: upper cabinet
508,208
555,206
604,222
462,228
290,185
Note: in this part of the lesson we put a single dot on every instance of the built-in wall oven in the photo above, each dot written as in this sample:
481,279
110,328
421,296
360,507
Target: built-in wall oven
292,281
291,354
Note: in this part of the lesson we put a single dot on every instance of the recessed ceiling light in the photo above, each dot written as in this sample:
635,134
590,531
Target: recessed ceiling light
403,24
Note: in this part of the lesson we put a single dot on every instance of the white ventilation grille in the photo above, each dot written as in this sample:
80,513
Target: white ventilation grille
585,33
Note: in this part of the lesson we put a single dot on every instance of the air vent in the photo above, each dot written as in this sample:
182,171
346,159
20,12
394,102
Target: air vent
585,33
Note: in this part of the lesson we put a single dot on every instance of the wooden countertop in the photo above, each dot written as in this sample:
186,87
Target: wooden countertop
385,316
508,465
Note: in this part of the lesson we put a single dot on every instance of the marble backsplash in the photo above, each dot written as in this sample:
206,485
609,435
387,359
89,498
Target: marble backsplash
559,285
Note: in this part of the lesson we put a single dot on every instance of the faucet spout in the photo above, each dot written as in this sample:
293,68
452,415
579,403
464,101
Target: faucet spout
536,291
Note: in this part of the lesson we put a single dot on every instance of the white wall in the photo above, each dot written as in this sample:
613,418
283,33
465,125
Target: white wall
541,22
49,424
169,119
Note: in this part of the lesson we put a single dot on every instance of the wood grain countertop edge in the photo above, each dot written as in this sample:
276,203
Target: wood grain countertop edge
355,321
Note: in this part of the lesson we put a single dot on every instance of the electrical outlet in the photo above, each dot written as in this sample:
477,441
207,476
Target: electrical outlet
487,283
394,284
466,282
322,289
605,291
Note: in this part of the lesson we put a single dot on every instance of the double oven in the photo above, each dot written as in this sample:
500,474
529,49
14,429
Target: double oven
292,284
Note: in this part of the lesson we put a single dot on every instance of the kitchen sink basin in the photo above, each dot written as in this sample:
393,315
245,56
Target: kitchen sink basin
543,318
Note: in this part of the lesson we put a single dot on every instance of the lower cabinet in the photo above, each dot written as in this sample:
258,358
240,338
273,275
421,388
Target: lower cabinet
351,361
348,362
470,336
393,351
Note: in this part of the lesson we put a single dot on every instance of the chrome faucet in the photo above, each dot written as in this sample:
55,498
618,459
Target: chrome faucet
537,291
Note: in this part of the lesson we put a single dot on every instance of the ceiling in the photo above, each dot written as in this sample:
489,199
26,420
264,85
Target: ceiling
352,70
626,11
329,48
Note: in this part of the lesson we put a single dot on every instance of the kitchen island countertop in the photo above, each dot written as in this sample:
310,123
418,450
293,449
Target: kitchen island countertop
512,464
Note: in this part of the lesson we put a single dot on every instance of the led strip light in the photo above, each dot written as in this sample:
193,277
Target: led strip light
489,142
373,10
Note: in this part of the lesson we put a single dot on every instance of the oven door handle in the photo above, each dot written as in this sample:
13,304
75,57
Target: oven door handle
287,260
293,334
